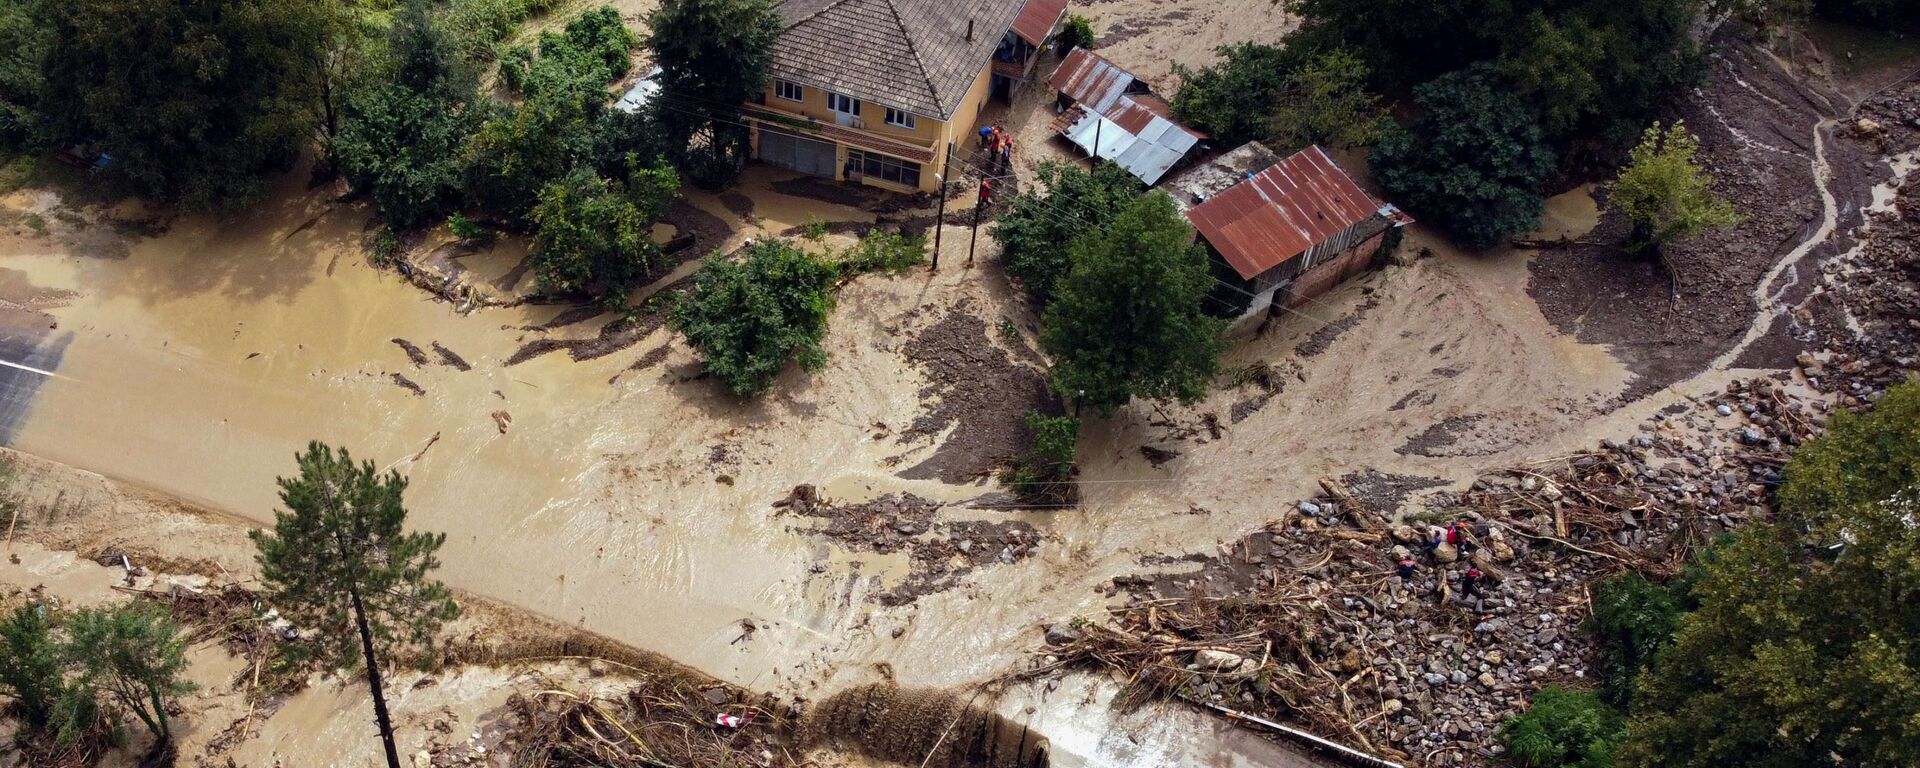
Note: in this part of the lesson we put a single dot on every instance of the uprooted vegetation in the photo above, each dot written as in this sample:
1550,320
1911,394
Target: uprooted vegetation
1308,621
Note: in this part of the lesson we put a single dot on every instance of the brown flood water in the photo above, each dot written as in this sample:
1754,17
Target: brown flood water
198,361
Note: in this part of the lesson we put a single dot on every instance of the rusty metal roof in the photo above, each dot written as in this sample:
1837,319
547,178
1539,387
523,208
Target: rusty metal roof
1091,80
1037,18
1131,126
1279,213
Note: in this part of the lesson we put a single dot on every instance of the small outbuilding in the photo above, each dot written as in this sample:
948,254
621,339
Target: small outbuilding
1109,113
1281,230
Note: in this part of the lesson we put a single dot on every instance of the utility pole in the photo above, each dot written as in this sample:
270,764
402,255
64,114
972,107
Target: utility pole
940,218
986,192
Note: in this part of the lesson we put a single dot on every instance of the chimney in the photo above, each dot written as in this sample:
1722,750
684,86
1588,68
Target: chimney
969,29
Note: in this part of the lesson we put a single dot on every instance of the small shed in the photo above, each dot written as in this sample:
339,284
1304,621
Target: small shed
1109,113
1282,230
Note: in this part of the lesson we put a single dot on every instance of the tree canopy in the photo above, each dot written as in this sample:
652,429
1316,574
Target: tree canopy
713,56
1233,99
1563,728
1126,320
1596,70
1043,218
339,562
1665,193
1803,649
749,317
592,235
193,100
1475,160
1293,97
135,655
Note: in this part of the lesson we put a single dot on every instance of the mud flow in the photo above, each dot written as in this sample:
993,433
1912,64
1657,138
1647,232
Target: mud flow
923,726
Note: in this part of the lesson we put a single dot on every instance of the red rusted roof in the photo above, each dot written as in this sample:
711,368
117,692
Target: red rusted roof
1282,211
1091,80
1037,18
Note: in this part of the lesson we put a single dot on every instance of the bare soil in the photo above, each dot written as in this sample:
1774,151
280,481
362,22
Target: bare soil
979,391
1756,121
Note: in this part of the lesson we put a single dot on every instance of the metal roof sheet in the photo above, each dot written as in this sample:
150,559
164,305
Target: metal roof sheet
1091,80
1037,18
1135,129
1279,213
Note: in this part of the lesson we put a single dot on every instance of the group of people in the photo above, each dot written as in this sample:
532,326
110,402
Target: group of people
1457,536
998,143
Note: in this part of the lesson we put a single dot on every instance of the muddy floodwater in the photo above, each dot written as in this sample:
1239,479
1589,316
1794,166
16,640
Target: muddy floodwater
630,496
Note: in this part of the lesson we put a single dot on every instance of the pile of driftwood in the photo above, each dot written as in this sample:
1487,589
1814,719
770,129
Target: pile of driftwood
1308,621
661,720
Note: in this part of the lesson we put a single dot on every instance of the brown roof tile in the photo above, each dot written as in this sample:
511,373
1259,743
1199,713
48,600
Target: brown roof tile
906,54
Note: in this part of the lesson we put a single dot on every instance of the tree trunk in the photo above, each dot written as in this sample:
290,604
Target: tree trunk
373,681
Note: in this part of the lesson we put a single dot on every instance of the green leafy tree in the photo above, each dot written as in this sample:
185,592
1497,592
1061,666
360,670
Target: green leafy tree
1665,193
749,317
1325,101
1596,71
33,672
1475,160
1041,473
1234,99
339,564
401,140
1076,33
878,251
1633,619
590,236
594,48
25,40
713,56
134,654
1563,729
403,148
193,99
1043,218
1803,651
514,155
1126,321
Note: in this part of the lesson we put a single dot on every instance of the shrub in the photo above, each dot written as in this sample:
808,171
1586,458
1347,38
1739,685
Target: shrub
589,237
1040,474
888,252
1563,729
467,229
1665,193
747,318
1076,33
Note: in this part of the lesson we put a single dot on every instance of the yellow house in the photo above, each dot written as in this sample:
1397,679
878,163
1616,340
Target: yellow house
876,91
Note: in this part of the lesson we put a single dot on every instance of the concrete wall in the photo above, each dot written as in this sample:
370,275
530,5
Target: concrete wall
928,132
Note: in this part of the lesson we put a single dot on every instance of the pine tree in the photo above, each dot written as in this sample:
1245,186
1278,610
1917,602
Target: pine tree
338,563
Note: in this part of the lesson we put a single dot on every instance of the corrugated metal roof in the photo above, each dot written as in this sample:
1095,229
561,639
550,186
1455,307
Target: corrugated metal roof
1278,214
1036,20
1135,130
1091,80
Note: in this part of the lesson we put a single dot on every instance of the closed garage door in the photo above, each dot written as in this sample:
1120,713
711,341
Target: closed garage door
801,154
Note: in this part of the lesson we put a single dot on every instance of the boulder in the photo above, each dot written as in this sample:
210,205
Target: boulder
1211,660
1446,553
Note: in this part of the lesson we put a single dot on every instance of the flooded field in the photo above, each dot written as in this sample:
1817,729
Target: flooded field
639,503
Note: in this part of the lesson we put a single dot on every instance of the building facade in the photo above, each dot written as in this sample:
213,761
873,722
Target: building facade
877,91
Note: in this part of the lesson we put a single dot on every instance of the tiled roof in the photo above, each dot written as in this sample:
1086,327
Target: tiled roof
1282,211
906,54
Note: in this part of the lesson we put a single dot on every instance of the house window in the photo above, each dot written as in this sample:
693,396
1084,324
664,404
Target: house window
840,102
888,169
899,119
789,91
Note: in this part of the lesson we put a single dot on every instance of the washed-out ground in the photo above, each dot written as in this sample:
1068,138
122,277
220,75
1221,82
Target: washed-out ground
586,472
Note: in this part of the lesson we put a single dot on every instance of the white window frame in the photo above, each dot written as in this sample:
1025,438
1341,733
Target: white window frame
900,118
837,100
799,91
